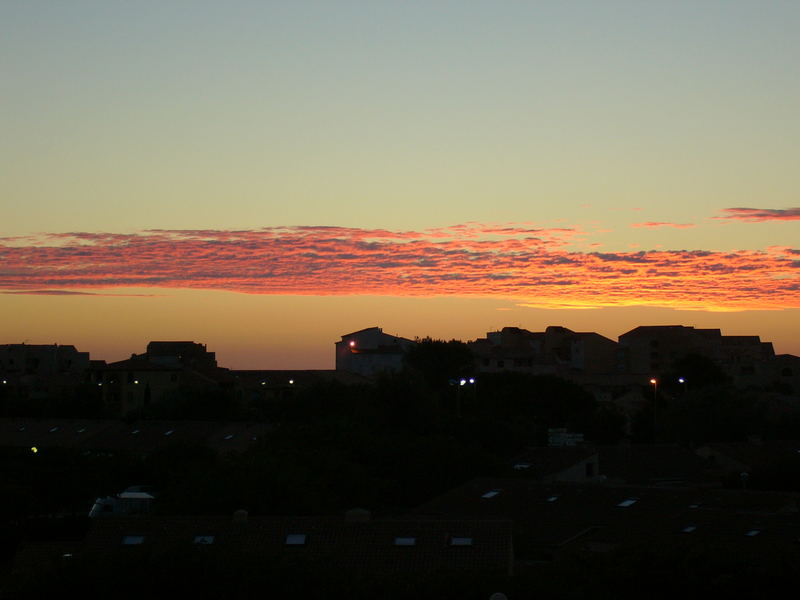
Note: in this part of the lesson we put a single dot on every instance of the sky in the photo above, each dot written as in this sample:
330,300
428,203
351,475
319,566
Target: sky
264,177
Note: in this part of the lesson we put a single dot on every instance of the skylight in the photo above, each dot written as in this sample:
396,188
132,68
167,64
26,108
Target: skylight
204,539
229,436
753,532
491,493
521,466
170,432
552,498
628,502
296,539
134,432
689,529
405,541
132,540
461,541
54,429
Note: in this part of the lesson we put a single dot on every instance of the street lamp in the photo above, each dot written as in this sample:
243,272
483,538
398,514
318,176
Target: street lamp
654,383
682,381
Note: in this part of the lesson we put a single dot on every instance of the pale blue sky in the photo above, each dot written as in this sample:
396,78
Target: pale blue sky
127,115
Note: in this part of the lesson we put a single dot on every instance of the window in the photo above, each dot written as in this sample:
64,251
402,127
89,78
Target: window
552,498
689,529
461,541
405,541
204,539
491,493
296,539
628,502
132,540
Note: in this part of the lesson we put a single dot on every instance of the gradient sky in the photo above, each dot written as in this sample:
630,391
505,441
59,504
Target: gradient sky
263,177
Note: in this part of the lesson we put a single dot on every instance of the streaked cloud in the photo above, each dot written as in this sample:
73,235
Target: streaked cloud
756,215
655,224
520,262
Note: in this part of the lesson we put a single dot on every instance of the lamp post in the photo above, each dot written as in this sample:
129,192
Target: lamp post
682,381
654,383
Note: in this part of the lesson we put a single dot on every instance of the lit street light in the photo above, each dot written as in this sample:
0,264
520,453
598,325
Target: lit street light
654,383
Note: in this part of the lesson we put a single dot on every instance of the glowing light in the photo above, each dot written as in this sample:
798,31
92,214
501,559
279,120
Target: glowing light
34,449
352,343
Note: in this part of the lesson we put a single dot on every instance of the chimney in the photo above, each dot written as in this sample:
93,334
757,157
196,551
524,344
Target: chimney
240,516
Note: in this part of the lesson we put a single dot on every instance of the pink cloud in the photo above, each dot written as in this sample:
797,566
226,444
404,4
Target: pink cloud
756,215
654,224
517,262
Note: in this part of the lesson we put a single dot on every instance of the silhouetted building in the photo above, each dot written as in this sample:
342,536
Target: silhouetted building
41,372
555,351
166,369
654,349
369,352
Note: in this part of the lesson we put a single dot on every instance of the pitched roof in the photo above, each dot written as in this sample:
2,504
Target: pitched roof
409,545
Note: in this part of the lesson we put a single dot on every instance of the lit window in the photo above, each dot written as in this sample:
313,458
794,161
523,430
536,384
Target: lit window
627,502
461,541
204,539
491,493
132,540
405,541
296,539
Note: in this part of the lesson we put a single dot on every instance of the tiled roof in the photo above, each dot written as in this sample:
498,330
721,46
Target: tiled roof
551,517
142,437
653,464
545,461
411,545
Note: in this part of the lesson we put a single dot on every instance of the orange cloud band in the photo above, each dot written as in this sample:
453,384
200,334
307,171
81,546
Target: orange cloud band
518,262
